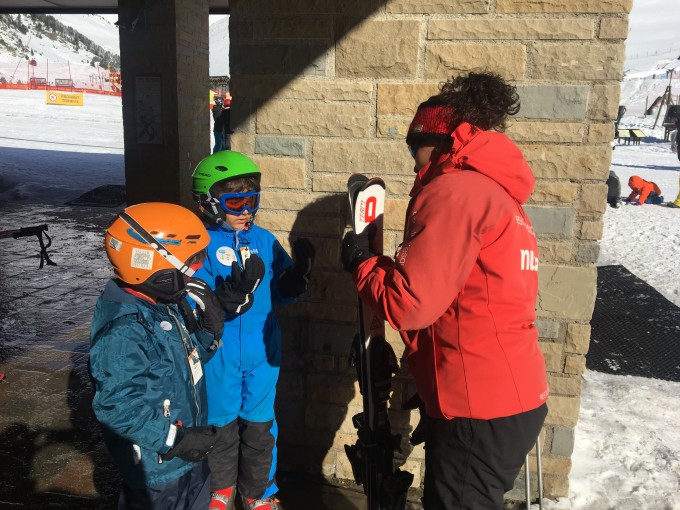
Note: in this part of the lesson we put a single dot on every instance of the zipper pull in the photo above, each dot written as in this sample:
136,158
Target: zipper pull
166,408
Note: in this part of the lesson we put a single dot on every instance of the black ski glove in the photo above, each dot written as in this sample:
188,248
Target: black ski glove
209,310
295,279
236,294
192,444
188,315
248,279
355,249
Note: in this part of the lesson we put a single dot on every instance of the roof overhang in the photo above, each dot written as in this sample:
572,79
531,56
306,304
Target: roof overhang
82,6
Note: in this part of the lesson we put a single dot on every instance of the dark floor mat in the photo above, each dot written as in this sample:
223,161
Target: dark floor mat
635,330
109,195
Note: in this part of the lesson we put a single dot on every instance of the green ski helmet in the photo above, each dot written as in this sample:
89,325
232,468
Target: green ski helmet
214,169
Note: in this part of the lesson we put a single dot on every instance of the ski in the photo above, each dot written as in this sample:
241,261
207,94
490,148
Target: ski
372,457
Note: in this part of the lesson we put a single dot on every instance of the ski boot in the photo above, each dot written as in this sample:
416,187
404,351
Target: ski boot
224,499
270,503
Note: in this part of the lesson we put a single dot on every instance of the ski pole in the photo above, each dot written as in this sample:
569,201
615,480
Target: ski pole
539,473
527,483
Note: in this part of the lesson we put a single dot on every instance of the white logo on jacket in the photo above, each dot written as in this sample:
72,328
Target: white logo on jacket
528,260
521,221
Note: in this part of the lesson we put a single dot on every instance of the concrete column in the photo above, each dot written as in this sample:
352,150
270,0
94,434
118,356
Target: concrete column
164,68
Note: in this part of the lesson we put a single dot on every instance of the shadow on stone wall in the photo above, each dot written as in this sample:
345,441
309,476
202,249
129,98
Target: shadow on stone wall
316,392
272,55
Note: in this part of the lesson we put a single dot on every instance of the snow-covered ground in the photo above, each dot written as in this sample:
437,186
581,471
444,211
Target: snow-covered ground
54,153
646,239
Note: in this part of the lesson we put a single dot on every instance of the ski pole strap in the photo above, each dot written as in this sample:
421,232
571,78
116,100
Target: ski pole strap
156,245
44,256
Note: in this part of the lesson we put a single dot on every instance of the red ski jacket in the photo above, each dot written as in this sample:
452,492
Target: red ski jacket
463,286
642,188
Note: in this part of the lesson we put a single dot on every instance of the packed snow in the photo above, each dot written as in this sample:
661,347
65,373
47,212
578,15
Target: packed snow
627,447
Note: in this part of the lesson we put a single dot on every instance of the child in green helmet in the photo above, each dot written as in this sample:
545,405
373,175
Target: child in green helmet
241,378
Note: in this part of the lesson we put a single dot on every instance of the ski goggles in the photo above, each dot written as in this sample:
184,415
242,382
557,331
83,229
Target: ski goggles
413,150
238,203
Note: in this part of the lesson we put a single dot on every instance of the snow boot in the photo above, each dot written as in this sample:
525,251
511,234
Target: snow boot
223,499
270,503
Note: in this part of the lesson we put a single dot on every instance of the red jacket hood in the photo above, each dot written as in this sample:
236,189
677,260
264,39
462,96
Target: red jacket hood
636,182
487,152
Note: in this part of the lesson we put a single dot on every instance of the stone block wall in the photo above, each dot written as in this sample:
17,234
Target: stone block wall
323,89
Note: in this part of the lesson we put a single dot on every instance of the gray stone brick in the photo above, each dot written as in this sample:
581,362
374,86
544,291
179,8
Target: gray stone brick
273,59
551,220
588,252
553,101
563,441
547,328
278,146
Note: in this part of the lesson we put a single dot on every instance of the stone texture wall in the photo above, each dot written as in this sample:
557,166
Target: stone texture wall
324,89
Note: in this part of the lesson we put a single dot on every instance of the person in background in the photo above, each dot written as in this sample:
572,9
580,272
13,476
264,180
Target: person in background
644,192
613,189
462,292
218,123
241,378
226,119
147,353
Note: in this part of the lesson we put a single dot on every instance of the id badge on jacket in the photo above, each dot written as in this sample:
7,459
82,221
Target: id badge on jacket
196,368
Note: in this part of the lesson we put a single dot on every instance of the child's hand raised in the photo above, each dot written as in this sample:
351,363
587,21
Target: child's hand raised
236,294
249,278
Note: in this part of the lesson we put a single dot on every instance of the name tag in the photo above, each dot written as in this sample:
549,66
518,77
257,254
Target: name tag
196,368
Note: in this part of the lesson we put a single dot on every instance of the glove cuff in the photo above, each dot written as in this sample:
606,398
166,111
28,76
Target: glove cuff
174,436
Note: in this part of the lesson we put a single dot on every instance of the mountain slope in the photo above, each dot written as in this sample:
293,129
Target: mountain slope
44,37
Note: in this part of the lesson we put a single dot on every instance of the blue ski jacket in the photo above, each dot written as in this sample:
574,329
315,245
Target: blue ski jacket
143,383
254,337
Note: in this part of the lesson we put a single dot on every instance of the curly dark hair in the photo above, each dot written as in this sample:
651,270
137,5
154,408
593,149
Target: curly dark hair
483,99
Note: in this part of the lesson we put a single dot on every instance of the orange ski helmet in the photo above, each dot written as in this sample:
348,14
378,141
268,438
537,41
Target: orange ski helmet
153,245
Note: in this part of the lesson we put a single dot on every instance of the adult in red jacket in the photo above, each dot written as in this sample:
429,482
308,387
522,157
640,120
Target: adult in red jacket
462,292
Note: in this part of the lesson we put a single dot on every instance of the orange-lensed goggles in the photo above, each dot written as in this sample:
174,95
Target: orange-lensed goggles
238,203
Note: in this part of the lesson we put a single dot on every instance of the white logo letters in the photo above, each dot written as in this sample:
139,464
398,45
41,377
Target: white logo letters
529,260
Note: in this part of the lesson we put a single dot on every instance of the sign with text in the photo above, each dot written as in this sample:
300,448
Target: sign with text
54,97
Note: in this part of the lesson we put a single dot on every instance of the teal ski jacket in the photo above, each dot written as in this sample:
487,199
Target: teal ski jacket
143,382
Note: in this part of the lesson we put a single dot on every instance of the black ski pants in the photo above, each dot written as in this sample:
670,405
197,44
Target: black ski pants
470,464
243,456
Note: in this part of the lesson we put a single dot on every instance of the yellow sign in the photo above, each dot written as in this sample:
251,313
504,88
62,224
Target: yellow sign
53,97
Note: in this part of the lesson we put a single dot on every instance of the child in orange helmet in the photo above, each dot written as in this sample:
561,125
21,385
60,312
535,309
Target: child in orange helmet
644,192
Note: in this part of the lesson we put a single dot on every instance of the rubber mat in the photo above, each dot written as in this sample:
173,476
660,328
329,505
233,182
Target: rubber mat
635,330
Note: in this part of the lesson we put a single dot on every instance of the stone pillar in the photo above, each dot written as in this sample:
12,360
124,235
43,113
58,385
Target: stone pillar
164,68
323,89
